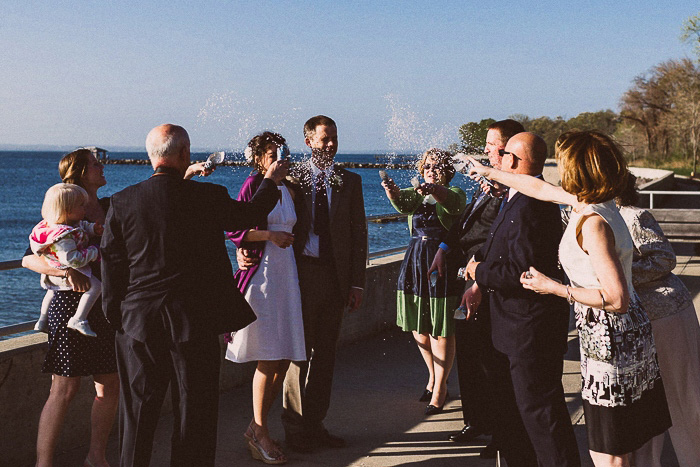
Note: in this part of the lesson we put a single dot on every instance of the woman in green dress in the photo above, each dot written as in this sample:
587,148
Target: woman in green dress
424,306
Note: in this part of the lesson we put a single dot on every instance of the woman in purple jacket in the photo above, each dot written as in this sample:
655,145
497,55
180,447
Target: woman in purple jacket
271,287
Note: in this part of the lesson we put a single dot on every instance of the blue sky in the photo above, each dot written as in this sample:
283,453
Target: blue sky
396,76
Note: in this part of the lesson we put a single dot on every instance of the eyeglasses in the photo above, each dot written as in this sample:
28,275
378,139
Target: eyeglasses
503,152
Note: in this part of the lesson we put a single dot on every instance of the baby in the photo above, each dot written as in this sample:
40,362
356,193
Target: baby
62,240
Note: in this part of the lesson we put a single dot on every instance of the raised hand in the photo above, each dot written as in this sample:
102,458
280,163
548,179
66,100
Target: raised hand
199,169
426,189
392,190
277,170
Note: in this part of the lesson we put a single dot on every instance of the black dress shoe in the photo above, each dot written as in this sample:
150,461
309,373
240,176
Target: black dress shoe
426,396
432,410
299,444
489,452
324,438
468,433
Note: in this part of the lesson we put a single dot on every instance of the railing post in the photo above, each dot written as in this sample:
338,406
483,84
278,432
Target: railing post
367,237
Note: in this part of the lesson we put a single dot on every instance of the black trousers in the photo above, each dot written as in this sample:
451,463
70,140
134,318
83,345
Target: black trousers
533,423
307,385
474,355
146,369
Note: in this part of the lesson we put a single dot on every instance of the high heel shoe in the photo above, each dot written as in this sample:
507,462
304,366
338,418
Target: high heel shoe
433,410
426,396
250,436
258,451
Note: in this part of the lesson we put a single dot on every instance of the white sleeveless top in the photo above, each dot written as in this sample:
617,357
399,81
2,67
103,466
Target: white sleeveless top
577,263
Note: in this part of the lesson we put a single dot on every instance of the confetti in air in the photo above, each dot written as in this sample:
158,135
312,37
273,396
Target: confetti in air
234,120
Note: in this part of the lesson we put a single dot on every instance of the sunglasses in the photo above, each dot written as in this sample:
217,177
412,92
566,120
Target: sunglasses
503,152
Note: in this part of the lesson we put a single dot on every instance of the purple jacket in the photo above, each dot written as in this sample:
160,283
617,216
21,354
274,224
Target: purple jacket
242,278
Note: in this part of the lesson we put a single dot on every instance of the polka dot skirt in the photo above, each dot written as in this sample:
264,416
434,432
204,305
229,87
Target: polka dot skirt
71,353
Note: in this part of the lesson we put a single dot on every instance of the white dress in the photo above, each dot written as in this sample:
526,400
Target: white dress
273,294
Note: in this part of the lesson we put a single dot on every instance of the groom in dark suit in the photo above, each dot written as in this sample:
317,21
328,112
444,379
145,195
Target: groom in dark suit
529,331
331,249
167,286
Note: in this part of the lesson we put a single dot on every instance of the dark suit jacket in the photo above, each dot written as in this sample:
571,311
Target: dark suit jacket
348,226
472,229
164,258
525,233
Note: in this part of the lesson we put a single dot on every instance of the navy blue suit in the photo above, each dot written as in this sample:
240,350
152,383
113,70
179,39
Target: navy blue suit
529,333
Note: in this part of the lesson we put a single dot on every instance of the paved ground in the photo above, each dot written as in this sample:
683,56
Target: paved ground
375,408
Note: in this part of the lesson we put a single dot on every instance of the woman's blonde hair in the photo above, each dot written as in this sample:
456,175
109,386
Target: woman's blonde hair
592,166
443,160
61,199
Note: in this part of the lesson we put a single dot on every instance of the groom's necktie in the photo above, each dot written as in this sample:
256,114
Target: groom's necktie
322,217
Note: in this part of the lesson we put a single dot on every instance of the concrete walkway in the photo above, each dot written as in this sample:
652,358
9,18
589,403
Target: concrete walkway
375,408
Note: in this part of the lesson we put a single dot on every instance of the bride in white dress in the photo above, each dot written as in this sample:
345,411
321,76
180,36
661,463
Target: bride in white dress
271,287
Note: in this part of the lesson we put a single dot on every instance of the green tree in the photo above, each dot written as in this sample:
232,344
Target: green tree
549,129
602,120
683,81
645,105
691,33
472,136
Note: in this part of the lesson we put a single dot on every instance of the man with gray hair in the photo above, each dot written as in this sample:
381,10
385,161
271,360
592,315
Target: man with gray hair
168,289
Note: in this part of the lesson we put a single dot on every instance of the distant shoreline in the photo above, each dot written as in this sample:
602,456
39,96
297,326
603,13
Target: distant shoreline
345,165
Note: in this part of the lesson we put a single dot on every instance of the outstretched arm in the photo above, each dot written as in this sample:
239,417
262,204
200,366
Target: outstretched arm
526,184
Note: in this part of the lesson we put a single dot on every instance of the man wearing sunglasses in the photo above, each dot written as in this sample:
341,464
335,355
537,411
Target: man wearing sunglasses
474,349
529,331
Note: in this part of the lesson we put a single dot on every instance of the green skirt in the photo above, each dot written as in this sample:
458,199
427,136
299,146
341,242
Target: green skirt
420,306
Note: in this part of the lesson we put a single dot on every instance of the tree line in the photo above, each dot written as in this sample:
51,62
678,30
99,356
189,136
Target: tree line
658,122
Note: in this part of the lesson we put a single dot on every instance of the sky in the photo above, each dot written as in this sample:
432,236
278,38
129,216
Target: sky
396,76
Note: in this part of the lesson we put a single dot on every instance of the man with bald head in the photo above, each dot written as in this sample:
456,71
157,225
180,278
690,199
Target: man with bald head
168,289
529,331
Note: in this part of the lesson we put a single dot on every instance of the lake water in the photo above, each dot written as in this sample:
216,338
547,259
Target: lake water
27,175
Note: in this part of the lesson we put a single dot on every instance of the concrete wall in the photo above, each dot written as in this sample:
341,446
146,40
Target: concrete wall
24,389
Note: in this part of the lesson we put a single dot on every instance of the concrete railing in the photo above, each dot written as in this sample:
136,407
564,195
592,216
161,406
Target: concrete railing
24,388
